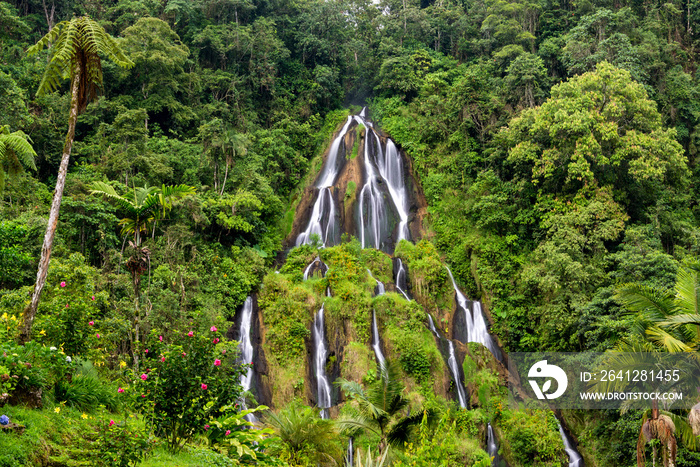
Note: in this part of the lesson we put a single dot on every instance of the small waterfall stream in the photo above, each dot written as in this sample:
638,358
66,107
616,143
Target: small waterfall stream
376,344
492,447
246,347
350,454
323,388
402,280
476,324
575,459
380,289
323,216
391,169
452,364
373,215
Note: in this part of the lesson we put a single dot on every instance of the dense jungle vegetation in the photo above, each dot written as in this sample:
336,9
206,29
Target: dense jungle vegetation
556,143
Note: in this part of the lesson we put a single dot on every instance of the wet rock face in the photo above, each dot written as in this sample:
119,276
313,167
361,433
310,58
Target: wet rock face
347,193
260,388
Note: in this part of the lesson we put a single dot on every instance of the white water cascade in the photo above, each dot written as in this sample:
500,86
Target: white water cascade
492,447
373,207
452,364
376,344
246,347
323,388
322,220
475,322
575,459
380,287
350,454
391,169
401,280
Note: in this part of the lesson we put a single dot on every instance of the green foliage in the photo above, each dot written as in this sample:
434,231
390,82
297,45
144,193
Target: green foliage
532,436
302,438
120,445
14,259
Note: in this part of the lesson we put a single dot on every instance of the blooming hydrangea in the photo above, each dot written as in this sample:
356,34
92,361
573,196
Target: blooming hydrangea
4,420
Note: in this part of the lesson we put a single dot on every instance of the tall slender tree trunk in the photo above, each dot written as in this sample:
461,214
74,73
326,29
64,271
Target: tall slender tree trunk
30,310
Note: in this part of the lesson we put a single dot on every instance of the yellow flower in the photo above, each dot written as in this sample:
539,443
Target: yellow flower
13,317
42,333
84,416
4,316
57,410
122,364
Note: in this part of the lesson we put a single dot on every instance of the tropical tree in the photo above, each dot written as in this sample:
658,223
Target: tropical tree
665,321
302,437
15,152
143,210
76,46
378,409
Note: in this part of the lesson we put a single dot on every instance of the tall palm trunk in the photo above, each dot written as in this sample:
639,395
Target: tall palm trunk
30,310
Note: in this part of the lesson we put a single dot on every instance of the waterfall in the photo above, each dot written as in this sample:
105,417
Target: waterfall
350,454
492,447
324,212
322,220
575,459
452,364
391,169
323,388
376,344
246,347
371,201
380,290
401,280
475,322
309,268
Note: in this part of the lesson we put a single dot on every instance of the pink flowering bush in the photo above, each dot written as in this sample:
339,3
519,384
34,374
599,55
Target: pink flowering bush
184,387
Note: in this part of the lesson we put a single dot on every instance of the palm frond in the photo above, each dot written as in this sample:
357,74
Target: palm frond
18,144
666,340
102,188
639,298
686,289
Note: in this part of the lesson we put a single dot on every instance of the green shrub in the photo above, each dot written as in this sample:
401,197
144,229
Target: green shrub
183,385
119,445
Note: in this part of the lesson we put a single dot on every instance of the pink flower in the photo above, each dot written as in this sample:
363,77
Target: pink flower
228,432
63,283
206,427
143,395
91,323
223,351
160,338
184,354
204,386
215,340
162,359
213,329
144,376
111,422
190,334
66,305
217,362
98,336
146,351
93,298
120,390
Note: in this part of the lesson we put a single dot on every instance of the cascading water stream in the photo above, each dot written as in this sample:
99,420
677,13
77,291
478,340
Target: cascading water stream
246,347
322,220
492,447
380,287
350,454
376,344
452,364
401,280
323,388
391,169
575,459
371,200
476,324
